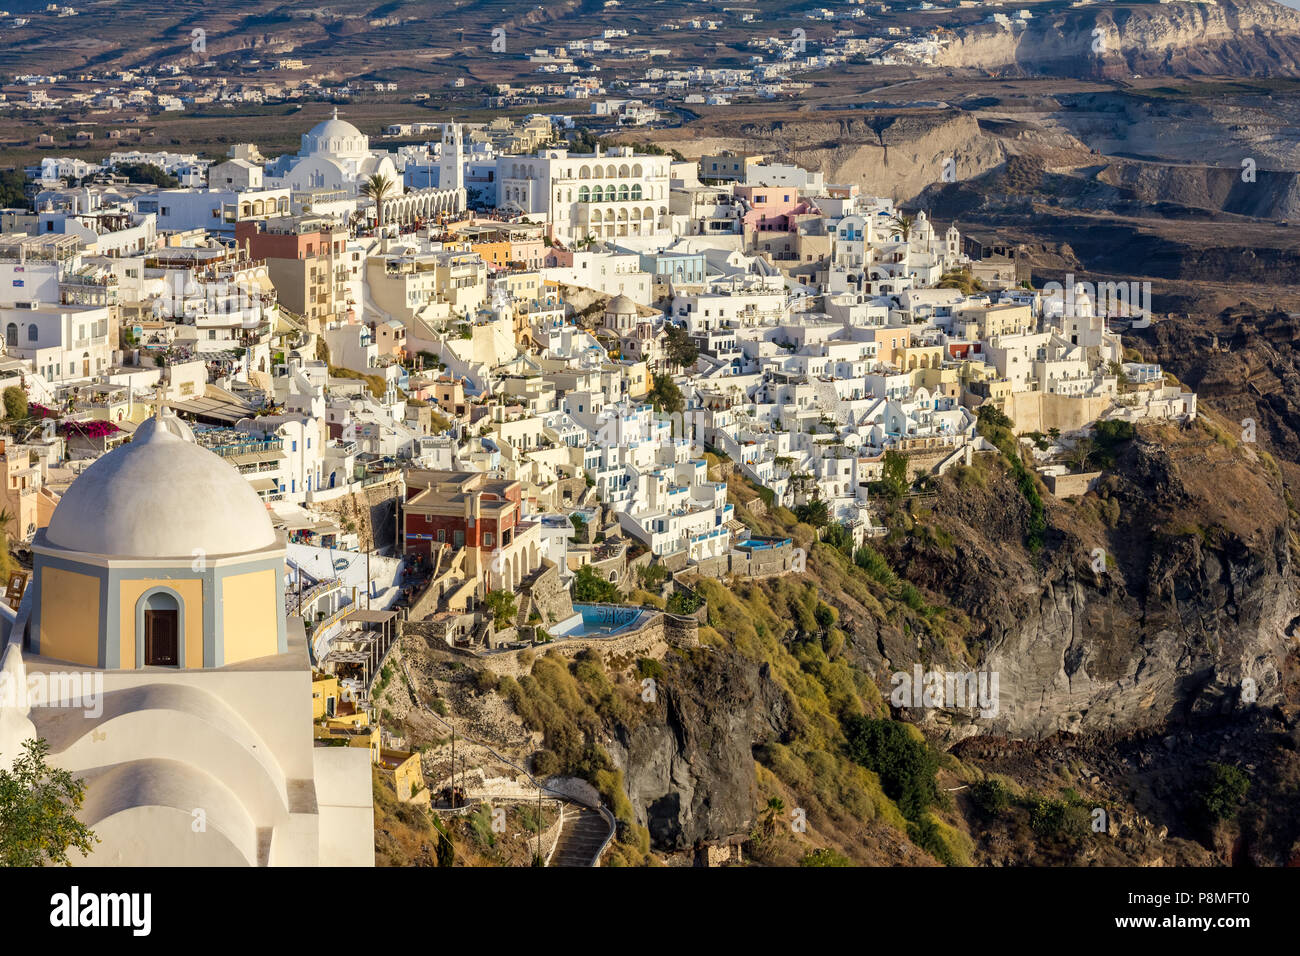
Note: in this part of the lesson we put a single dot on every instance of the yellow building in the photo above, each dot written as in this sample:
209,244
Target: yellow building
156,659
984,322
129,580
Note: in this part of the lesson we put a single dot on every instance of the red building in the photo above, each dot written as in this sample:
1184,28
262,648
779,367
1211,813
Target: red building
458,508
469,509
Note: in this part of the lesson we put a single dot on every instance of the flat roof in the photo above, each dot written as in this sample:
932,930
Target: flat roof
371,617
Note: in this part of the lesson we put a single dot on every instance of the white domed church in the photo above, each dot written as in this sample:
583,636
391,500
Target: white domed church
334,155
160,581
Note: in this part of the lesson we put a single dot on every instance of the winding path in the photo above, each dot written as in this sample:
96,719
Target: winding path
585,831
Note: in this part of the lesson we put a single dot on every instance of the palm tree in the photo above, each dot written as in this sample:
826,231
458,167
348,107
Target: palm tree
378,187
903,223
774,807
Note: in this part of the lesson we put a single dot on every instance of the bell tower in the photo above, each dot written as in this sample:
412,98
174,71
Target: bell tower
451,161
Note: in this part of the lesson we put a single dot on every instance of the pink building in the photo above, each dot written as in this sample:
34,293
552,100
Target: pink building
770,207
557,258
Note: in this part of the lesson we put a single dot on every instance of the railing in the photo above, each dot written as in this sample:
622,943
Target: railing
312,593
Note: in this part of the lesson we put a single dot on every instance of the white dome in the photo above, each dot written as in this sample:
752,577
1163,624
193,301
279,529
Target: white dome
161,496
621,305
335,137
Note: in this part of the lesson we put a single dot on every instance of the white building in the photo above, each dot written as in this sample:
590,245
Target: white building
616,194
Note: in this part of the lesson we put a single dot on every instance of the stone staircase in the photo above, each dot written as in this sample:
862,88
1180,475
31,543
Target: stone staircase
583,836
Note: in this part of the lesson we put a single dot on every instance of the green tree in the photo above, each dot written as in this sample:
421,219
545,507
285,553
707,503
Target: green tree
15,400
502,606
680,347
893,483
590,588
775,807
666,396
839,536
38,806
13,194
147,173
814,513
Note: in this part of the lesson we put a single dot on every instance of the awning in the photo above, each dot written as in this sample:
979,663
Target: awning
257,457
264,484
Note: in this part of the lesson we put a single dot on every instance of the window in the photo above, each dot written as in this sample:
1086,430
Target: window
11,334
487,539
32,332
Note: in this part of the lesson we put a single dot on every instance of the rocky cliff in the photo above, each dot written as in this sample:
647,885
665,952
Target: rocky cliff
1192,614
1234,37
690,773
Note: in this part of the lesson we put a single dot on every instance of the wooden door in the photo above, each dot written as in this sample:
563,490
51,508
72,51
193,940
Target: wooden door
160,638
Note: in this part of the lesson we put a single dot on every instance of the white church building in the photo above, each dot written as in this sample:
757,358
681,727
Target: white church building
336,155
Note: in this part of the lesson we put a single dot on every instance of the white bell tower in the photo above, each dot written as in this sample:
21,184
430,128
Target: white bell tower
451,161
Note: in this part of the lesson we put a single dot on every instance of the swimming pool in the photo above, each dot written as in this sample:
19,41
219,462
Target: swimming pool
601,620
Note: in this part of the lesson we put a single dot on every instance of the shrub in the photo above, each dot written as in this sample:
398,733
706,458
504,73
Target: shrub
824,615
991,796
1061,820
825,857
926,833
649,667
15,400
839,536
480,822
1220,791
683,602
545,764
897,754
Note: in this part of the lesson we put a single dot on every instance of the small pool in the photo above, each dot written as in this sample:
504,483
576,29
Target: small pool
600,620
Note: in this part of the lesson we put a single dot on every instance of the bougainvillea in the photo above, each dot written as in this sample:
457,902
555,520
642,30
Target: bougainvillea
91,429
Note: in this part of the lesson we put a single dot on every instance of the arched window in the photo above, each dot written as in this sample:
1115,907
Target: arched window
622,193
636,190
11,334
598,195
584,194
